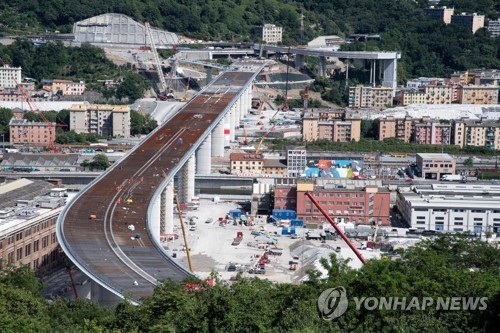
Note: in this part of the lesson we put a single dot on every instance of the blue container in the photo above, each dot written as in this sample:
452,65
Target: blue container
179,141
292,231
284,231
297,223
284,214
236,213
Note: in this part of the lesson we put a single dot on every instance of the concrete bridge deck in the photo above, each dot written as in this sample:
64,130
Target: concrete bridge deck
94,228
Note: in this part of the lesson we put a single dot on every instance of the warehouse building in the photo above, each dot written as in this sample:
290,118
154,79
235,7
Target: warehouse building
452,207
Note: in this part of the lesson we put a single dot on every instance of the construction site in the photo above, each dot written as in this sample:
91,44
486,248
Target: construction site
223,239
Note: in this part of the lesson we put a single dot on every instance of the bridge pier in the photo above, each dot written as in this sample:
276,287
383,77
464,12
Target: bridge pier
204,157
322,66
227,129
209,75
102,296
300,61
217,145
167,205
186,181
233,117
390,68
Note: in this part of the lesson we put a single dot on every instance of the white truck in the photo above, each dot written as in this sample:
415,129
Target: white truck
451,178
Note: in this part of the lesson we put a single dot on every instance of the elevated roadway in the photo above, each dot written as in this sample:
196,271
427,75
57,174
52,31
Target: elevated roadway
94,228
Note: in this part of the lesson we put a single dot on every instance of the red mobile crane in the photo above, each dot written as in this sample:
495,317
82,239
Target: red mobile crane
339,231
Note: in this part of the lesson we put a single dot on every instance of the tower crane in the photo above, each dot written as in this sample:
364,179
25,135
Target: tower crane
163,89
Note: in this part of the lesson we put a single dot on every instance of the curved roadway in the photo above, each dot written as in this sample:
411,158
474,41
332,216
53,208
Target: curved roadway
104,247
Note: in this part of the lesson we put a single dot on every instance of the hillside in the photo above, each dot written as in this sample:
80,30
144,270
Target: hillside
429,47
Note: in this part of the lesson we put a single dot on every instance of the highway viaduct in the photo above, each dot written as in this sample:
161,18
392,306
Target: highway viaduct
108,231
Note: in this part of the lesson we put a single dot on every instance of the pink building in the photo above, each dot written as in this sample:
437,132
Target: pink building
432,132
23,131
360,205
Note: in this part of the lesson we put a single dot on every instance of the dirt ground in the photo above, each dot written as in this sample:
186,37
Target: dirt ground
211,249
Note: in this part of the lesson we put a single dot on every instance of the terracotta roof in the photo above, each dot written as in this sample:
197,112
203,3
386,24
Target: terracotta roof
245,157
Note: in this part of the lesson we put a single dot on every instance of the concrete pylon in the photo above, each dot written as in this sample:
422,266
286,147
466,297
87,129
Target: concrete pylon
167,223
217,145
204,157
187,182
300,61
233,121
322,66
209,74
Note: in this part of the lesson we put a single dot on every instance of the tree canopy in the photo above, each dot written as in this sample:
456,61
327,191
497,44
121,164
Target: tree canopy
447,266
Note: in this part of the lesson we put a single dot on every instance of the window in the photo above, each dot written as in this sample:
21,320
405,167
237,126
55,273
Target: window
459,223
459,218
19,236
439,218
478,219
10,257
36,245
420,217
10,240
19,254
27,250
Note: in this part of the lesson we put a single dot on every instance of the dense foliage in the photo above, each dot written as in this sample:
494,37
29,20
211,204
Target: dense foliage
389,145
88,63
444,267
429,48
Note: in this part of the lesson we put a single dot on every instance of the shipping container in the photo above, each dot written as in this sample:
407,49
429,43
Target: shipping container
282,214
297,223
236,213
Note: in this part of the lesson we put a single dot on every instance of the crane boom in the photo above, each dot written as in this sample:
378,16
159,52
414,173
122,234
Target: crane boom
339,231
156,58
265,134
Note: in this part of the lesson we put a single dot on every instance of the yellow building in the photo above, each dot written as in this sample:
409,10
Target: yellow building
246,164
413,96
333,126
478,95
440,13
274,167
473,21
370,97
478,133
438,94
400,128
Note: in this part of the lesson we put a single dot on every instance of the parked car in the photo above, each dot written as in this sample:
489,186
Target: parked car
209,220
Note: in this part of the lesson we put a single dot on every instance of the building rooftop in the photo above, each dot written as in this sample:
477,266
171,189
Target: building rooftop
273,163
245,157
38,160
434,156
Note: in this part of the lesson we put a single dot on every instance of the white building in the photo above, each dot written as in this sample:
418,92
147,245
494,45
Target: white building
452,207
269,33
296,161
9,76
494,28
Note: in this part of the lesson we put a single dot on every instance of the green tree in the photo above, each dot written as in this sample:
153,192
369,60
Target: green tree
468,162
99,162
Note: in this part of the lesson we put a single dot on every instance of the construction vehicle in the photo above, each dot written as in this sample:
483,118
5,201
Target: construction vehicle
164,93
337,229
237,240
186,96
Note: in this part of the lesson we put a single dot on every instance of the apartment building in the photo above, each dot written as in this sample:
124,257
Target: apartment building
400,128
23,131
472,94
9,76
478,133
431,132
438,94
326,126
370,97
473,21
440,13
64,87
359,205
452,207
411,96
105,120
269,33
246,164
28,225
